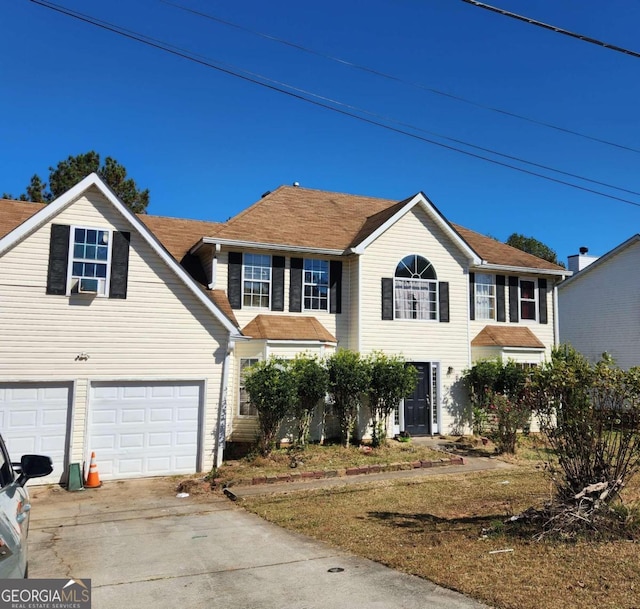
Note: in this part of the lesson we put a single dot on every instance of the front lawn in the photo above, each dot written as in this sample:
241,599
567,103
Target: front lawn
435,528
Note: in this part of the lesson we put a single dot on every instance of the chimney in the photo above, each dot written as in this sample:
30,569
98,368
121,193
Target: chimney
577,262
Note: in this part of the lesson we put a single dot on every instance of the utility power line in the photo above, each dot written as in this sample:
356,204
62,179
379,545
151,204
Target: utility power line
388,76
553,28
318,101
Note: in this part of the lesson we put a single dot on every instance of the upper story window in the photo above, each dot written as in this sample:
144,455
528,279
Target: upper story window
415,289
485,296
89,260
257,280
316,285
528,299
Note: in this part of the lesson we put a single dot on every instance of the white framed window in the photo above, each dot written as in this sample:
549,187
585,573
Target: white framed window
90,260
528,308
415,289
316,285
256,285
245,409
485,296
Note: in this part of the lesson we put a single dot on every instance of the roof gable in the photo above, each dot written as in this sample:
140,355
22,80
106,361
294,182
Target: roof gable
46,213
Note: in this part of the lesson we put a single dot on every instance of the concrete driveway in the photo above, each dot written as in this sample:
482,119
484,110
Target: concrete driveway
141,546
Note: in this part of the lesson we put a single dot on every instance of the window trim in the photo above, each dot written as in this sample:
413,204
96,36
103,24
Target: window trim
533,299
253,360
71,278
327,285
492,296
268,282
430,282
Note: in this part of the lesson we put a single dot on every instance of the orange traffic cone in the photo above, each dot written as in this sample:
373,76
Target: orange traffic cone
93,479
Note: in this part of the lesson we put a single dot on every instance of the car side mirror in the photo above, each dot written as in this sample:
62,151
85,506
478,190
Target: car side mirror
34,466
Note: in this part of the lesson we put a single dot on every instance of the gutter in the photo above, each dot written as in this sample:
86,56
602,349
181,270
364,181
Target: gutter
265,246
562,273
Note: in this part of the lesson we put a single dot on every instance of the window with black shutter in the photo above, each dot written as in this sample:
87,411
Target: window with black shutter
87,260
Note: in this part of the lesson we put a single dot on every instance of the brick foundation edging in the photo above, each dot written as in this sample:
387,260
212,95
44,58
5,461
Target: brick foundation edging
334,473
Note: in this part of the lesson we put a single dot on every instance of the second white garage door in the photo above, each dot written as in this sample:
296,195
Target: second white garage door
144,429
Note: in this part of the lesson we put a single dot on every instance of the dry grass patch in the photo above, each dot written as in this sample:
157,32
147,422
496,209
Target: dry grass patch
315,457
434,528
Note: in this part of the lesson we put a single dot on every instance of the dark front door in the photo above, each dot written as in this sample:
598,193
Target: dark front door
418,406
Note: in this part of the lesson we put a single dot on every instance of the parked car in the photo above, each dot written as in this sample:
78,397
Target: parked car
14,509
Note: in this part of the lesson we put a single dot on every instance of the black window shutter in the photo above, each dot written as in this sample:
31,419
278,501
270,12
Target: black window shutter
443,289
542,300
119,264
295,285
501,309
514,288
234,280
277,283
472,296
58,259
387,298
335,289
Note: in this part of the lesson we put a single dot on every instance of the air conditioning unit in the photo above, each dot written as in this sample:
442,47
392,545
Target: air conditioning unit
88,286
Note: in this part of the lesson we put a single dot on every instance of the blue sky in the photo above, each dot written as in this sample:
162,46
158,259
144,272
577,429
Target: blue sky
207,144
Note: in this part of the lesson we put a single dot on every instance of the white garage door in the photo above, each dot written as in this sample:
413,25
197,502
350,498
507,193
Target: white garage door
144,429
33,420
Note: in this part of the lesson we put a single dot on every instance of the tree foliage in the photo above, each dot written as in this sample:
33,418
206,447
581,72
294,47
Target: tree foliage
69,172
311,381
348,383
272,390
496,390
590,414
391,380
534,247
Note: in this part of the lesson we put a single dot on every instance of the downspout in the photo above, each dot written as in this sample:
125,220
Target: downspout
359,316
466,274
222,405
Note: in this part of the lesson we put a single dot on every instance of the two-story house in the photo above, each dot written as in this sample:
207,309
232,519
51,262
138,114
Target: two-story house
140,327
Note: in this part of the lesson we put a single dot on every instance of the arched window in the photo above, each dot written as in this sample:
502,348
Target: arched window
415,289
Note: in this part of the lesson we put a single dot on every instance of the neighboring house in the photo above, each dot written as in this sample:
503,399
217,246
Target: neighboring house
193,304
599,306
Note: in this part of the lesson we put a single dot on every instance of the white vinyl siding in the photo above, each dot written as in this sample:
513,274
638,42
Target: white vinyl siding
447,343
161,331
600,308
